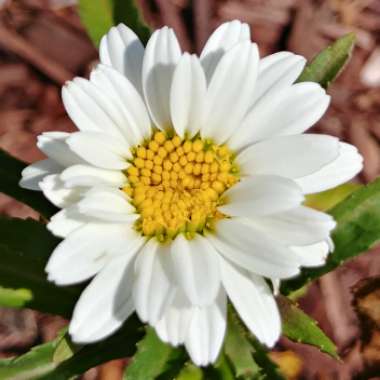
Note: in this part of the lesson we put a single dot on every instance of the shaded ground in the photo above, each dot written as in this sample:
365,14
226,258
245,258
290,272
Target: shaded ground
42,44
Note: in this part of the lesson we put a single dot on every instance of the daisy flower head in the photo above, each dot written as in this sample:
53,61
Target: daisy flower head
184,186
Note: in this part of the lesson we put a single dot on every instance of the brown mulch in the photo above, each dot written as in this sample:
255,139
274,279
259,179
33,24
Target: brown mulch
42,44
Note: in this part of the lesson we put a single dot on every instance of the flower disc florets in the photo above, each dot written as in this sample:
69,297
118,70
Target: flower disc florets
176,184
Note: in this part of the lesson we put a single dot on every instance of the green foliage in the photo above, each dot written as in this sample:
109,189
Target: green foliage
358,229
14,297
190,372
261,357
221,370
327,65
299,327
25,246
326,200
38,362
98,16
120,345
239,351
10,174
154,359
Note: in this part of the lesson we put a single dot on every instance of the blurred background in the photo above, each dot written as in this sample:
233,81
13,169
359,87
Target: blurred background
43,44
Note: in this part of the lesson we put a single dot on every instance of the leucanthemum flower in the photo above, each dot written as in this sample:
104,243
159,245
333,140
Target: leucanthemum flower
184,186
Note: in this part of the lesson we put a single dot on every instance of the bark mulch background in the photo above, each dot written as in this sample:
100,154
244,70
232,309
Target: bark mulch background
42,44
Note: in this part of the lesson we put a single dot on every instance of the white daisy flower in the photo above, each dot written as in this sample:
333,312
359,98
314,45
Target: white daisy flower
184,186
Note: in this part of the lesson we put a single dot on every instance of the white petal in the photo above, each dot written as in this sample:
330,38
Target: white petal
100,150
206,331
90,109
348,164
54,145
161,57
108,205
173,326
276,283
195,265
88,249
254,303
276,71
105,304
230,91
136,125
250,249
289,111
300,226
222,39
66,221
289,156
86,175
261,195
54,190
312,255
33,174
187,96
122,49
153,287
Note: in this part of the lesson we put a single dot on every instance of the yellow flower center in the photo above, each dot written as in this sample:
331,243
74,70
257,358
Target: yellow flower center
176,184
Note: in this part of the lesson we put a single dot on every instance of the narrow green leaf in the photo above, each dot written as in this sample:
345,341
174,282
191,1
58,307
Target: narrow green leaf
10,174
358,229
221,370
299,327
25,246
120,345
64,349
98,16
14,297
154,359
190,372
38,362
327,65
270,369
126,11
326,200
30,366
239,351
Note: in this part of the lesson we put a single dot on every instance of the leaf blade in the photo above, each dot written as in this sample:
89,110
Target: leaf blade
98,16
15,298
239,351
329,63
154,359
27,244
37,362
358,229
299,327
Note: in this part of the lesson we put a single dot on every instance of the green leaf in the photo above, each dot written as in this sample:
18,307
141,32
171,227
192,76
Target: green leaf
190,372
120,345
326,200
358,229
299,327
62,360
154,359
25,246
10,174
221,370
238,350
327,65
38,362
14,297
126,11
269,368
98,16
